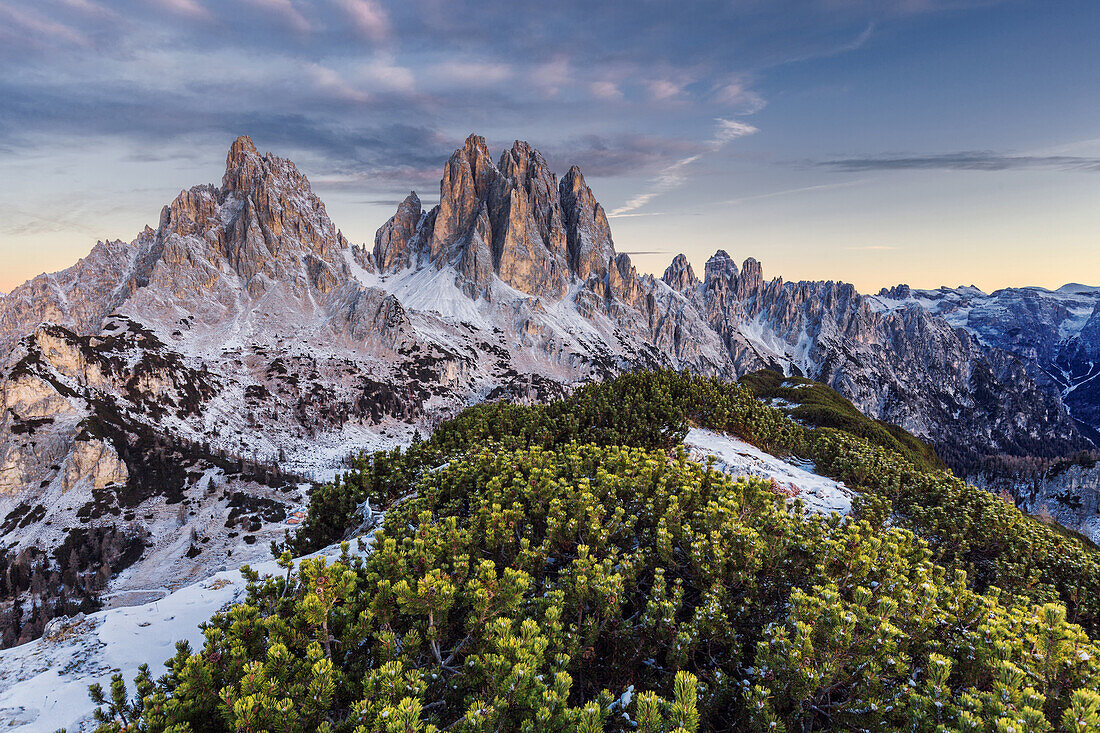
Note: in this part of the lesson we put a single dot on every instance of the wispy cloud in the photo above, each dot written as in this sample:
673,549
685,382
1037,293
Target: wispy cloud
552,76
965,160
29,21
872,248
286,11
370,18
330,81
792,192
605,90
187,8
675,175
472,73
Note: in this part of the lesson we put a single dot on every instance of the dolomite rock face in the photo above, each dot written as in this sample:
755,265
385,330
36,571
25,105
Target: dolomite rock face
499,219
588,234
81,296
94,461
394,246
244,345
679,276
1055,334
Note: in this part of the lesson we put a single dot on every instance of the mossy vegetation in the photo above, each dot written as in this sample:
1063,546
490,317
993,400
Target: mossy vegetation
814,404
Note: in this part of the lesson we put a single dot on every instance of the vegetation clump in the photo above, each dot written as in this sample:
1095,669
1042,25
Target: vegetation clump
567,568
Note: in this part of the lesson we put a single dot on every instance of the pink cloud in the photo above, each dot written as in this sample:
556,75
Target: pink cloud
736,93
662,90
330,81
384,73
285,10
552,76
605,90
186,8
40,26
369,18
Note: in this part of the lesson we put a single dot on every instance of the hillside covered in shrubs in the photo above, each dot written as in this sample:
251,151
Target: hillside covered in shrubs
565,567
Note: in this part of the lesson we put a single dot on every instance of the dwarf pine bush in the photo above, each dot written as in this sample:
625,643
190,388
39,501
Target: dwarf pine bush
605,588
565,568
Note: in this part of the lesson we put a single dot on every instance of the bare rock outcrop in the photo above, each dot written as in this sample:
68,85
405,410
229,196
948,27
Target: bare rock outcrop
245,336
394,244
97,463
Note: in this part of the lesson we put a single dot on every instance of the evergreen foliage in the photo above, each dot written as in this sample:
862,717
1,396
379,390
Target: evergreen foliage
567,568
814,404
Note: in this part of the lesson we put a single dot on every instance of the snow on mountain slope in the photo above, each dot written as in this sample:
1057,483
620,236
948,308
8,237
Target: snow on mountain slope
795,480
44,684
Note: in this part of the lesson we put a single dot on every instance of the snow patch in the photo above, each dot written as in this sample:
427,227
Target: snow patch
738,458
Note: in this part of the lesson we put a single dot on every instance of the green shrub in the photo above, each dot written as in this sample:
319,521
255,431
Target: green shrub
590,588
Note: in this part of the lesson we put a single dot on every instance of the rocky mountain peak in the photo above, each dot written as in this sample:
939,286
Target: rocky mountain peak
751,279
264,224
394,243
588,235
475,153
900,292
679,276
242,164
504,219
521,163
719,270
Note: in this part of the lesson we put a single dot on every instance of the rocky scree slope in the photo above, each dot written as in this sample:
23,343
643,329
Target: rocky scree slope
189,380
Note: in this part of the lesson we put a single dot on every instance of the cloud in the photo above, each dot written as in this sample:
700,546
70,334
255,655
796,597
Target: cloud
965,160
370,18
736,92
731,130
551,76
667,179
872,248
384,73
616,154
675,175
792,191
331,82
471,73
285,10
90,9
605,90
186,8
373,95
31,22
663,90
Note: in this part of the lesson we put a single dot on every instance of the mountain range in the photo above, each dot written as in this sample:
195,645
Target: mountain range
166,401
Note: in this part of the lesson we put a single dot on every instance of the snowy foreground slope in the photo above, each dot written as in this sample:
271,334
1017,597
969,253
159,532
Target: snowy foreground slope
44,684
794,480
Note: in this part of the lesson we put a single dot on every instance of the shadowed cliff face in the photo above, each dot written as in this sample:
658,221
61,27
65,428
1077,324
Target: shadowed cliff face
1054,333
246,338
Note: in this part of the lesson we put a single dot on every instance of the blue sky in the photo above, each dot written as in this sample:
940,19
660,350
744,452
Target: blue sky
875,141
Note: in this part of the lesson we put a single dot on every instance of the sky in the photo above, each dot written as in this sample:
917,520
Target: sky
928,142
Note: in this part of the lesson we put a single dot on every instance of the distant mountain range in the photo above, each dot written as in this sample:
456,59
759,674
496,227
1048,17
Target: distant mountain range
177,388
1055,333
